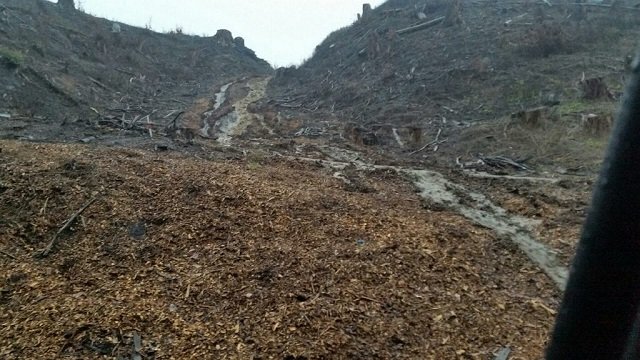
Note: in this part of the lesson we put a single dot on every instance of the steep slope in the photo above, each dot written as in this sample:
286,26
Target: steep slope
386,85
65,74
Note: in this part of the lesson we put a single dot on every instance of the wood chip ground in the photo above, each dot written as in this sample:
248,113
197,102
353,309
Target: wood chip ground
182,258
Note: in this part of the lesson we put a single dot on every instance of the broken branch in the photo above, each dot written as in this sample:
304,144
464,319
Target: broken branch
436,141
9,255
65,226
99,83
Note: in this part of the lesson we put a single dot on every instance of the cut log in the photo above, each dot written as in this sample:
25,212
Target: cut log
421,26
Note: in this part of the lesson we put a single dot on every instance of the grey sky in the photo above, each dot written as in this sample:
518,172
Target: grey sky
283,32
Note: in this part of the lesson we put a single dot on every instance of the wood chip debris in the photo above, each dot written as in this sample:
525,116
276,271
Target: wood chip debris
243,262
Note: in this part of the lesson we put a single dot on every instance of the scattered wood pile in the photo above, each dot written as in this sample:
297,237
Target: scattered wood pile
502,162
493,163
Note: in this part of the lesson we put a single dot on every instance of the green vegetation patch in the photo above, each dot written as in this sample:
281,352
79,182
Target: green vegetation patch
580,106
13,58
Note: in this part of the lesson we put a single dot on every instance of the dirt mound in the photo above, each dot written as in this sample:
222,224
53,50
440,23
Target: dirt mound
182,258
68,75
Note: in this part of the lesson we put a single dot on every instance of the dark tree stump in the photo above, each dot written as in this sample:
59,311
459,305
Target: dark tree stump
595,88
366,11
597,125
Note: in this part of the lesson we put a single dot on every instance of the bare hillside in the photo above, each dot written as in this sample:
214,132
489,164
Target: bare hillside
68,75
409,69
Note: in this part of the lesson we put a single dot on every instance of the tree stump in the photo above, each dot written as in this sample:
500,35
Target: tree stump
532,118
415,134
454,14
366,11
595,88
597,125
67,5
360,136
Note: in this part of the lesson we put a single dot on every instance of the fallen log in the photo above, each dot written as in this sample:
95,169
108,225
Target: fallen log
484,175
422,26
606,6
49,84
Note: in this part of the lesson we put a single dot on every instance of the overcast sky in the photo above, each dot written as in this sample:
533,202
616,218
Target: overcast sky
283,32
